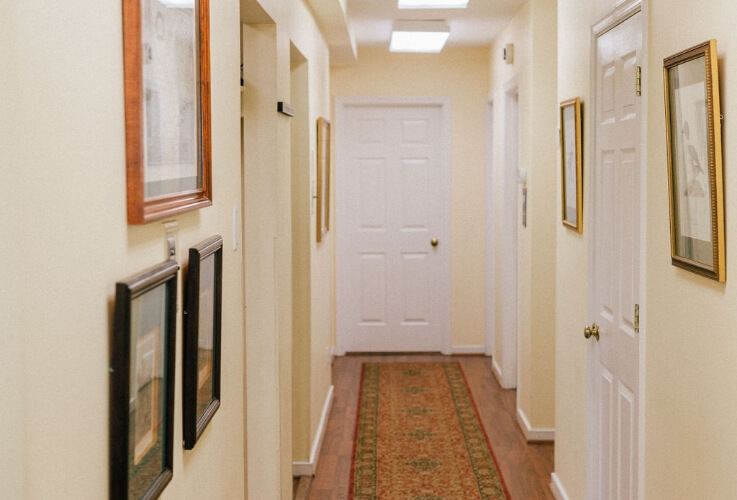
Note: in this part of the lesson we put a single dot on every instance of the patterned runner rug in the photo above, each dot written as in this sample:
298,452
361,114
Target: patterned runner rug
418,437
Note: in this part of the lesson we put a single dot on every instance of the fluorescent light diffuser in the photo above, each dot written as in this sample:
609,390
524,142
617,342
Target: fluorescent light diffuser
432,4
178,4
419,36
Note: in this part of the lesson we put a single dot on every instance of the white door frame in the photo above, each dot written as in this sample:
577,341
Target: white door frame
444,233
506,370
490,231
615,16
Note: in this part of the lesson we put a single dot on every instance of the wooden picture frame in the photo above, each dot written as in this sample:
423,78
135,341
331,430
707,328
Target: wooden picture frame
571,159
323,177
167,107
202,324
694,139
142,383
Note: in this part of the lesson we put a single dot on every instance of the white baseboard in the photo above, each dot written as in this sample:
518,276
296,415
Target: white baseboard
531,434
496,369
468,349
557,488
309,468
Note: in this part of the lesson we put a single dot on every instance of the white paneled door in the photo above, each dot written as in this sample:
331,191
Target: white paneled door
614,390
393,225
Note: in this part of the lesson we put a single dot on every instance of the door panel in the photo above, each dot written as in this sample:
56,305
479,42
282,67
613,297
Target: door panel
392,198
616,263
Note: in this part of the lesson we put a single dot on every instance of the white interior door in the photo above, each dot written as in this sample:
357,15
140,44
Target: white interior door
614,392
393,225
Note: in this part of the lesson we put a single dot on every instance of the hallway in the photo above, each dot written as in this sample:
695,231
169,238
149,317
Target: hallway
526,468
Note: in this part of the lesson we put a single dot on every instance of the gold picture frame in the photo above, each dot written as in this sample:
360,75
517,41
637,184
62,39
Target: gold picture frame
571,161
323,177
694,139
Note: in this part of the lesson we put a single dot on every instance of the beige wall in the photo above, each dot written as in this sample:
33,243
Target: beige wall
689,350
533,75
288,349
64,170
574,19
67,242
690,354
463,75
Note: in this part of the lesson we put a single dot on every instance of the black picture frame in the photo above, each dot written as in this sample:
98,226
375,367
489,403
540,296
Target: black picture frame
202,334
142,383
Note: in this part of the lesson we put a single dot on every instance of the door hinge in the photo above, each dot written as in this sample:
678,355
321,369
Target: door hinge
638,80
637,318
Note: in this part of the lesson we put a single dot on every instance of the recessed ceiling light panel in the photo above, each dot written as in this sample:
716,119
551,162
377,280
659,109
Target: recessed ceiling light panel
178,4
419,36
432,4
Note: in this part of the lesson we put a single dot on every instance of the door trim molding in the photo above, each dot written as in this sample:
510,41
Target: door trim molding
341,104
490,268
509,274
615,16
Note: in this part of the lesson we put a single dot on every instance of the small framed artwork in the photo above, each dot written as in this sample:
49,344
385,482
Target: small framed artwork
167,107
571,163
694,139
142,383
202,320
323,177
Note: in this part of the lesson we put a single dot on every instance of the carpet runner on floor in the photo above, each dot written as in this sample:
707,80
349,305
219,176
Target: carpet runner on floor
419,437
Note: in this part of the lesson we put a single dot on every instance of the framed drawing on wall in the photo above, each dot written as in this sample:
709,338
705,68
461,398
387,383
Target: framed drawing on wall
142,383
167,107
694,139
203,311
571,163
323,177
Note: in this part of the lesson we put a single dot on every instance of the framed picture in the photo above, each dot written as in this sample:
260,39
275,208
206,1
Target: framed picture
142,383
692,115
323,177
167,107
571,163
202,319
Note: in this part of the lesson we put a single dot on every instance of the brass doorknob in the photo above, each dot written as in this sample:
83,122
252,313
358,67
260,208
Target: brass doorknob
434,242
592,331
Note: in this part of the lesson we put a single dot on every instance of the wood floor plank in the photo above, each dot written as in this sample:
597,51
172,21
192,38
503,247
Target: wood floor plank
526,468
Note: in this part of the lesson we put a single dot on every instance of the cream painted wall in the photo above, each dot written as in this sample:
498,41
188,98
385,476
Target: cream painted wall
313,332
574,20
690,376
264,439
689,354
67,154
308,39
270,447
533,73
505,79
12,470
463,75
301,239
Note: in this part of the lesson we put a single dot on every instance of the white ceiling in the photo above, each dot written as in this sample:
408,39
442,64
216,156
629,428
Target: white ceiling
349,25
371,20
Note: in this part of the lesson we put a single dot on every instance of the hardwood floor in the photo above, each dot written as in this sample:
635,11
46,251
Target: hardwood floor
526,468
